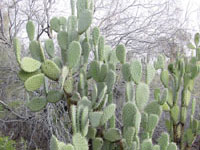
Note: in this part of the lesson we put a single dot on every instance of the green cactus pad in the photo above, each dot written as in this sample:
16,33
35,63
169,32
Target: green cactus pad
129,93
160,64
35,82
30,29
142,95
101,48
53,143
68,85
86,50
165,97
73,118
95,118
163,141
110,80
186,97
72,29
130,115
150,73
63,23
58,62
188,136
36,51
62,39
55,24
164,77
156,147
25,75
183,114
49,46
54,96
51,70
196,39
29,64
112,134
17,48
84,21
128,134
79,142
193,106
95,35
126,72
91,133
64,74
153,108
175,113
97,144
108,112
121,53
74,53
63,146
84,121
152,122
172,146
94,70
136,71
147,145
37,104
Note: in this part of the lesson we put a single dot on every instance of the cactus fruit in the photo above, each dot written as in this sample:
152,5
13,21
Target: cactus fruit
121,53
74,53
84,21
136,71
30,29
142,95
37,104
49,46
55,24
29,64
35,82
51,70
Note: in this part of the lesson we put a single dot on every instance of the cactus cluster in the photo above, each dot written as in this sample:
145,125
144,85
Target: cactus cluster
92,112
178,81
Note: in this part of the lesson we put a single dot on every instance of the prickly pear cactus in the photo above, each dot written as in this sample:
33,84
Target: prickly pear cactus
179,81
92,118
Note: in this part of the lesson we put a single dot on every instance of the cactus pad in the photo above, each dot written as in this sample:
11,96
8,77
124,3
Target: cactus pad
29,64
164,78
30,29
51,70
153,108
62,39
150,73
95,118
79,142
108,112
142,95
37,104
136,71
84,21
49,46
25,75
126,72
17,48
35,82
95,35
54,96
55,24
74,53
36,51
112,134
121,53
97,144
